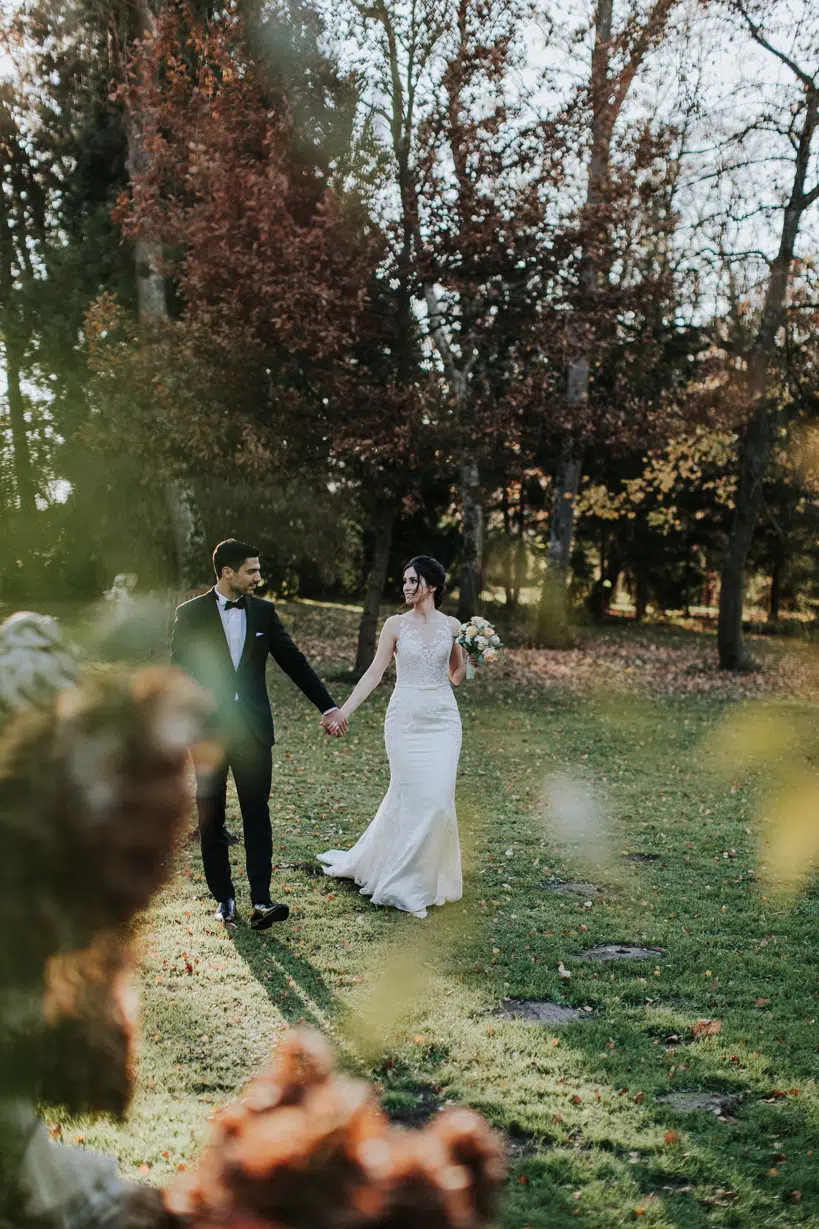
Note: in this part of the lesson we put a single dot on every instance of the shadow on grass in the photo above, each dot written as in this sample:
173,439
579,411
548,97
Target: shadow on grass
291,983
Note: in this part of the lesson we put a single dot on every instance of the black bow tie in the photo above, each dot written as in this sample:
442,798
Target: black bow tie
239,604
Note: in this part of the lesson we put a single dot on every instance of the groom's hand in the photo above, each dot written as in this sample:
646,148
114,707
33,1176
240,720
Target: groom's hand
334,723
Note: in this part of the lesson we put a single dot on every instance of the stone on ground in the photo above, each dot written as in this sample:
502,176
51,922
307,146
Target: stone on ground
623,951
542,1012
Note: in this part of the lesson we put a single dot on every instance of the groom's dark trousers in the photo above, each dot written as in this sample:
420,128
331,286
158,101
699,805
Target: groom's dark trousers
242,726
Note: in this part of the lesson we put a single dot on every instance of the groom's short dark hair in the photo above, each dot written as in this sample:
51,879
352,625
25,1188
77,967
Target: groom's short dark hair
231,554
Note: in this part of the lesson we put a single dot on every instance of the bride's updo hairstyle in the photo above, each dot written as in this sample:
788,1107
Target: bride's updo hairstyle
430,570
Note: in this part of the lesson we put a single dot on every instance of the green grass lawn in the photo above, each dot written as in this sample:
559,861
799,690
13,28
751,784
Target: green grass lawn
414,1005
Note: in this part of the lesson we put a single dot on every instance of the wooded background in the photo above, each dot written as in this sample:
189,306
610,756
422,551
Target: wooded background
532,288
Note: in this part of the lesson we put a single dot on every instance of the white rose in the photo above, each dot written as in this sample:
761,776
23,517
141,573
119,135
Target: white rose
482,642
489,630
490,654
472,631
496,641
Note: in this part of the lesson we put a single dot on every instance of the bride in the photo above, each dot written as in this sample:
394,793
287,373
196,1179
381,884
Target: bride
409,857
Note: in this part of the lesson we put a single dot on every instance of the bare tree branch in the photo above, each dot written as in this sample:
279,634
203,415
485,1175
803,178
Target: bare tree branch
757,35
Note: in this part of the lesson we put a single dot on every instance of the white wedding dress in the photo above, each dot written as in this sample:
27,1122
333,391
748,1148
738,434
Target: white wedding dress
409,857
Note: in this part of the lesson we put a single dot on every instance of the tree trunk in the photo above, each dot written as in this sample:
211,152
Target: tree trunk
607,94
567,483
553,612
640,595
152,297
520,554
23,469
382,525
757,441
508,563
756,451
152,305
472,509
775,599
687,573
553,609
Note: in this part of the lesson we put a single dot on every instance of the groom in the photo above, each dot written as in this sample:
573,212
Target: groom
222,639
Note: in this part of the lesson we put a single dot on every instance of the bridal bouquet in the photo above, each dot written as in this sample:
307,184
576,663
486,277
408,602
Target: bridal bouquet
481,641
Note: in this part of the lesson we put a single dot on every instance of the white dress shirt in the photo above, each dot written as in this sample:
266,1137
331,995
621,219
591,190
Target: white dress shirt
234,622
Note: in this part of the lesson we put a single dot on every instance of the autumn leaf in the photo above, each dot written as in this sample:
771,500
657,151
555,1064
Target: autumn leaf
706,1028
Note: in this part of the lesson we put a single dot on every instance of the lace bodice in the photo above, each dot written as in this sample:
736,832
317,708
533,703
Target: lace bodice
422,652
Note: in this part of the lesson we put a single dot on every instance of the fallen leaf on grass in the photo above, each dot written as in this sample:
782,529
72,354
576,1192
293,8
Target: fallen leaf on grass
706,1028
721,1198
672,1138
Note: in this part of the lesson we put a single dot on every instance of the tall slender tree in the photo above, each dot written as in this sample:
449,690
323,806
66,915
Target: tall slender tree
616,58
802,142
22,223
467,172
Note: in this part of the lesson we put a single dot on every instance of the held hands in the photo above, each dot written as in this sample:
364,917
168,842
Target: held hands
334,723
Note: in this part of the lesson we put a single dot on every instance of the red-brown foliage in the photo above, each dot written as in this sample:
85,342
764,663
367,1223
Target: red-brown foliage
306,1146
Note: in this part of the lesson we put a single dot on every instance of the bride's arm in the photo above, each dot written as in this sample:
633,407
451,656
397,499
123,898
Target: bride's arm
457,658
372,677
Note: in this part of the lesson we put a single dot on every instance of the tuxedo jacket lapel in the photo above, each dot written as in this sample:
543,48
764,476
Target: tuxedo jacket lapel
251,627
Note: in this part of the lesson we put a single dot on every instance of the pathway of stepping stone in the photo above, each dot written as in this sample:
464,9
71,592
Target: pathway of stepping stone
715,1103
542,1012
587,890
623,951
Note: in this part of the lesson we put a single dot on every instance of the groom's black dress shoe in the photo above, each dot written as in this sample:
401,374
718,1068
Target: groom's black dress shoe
265,915
231,838
226,912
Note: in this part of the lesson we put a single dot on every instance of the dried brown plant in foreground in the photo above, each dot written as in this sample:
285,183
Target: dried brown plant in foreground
93,789
306,1148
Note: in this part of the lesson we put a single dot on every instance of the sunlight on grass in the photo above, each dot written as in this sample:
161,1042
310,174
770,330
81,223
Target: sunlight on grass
417,1006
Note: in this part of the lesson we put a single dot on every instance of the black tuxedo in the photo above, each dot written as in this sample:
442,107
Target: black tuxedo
242,724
